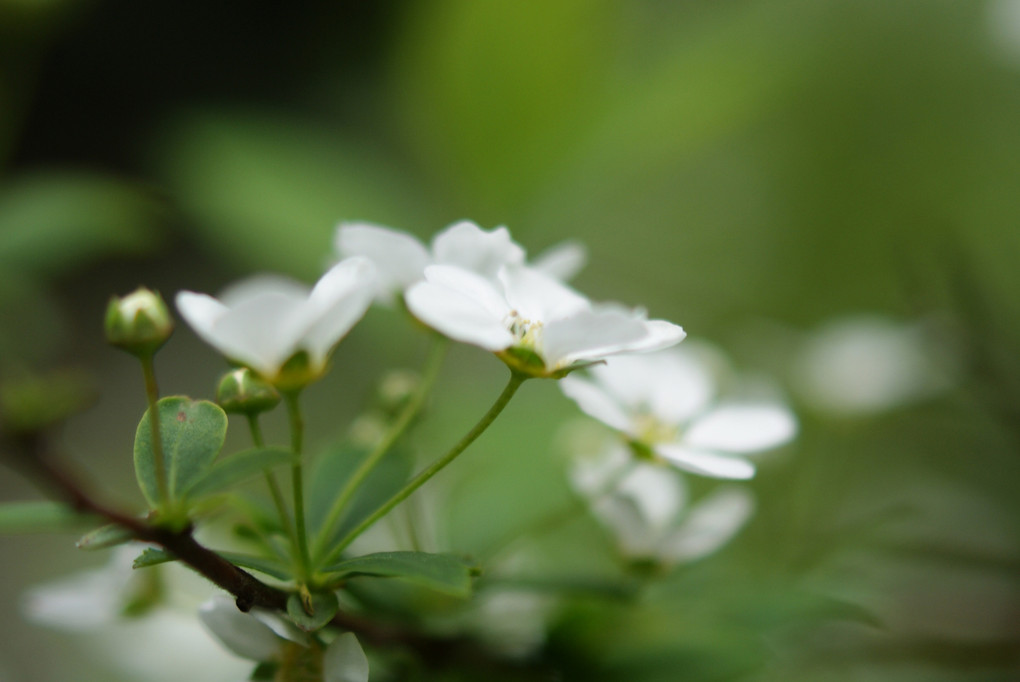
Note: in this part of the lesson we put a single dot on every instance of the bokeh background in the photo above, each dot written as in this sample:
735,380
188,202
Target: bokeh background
756,170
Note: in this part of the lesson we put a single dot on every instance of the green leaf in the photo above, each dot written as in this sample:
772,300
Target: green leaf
192,435
105,536
268,190
152,557
40,516
334,468
238,468
445,573
54,220
271,567
319,610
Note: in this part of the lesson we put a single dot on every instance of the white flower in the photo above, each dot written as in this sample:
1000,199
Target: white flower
648,510
401,258
867,364
663,403
261,635
264,321
144,646
537,324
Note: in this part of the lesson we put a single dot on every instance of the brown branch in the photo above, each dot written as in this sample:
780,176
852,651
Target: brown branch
248,590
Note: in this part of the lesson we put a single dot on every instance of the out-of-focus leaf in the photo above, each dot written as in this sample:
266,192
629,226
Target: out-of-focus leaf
269,192
40,516
238,468
334,468
105,536
37,401
445,573
496,94
152,557
49,222
271,567
192,433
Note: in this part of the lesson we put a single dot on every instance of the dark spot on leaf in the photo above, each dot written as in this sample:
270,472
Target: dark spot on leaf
182,417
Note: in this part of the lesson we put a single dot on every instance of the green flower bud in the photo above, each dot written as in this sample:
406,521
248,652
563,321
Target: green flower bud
244,392
396,388
139,322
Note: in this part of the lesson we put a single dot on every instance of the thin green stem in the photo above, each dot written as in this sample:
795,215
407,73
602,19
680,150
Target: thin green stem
152,396
414,404
297,435
274,487
516,379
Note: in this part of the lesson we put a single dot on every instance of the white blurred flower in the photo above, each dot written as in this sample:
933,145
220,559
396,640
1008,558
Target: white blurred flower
1003,22
146,646
401,259
537,324
261,636
868,364
646,507
264,321
665,406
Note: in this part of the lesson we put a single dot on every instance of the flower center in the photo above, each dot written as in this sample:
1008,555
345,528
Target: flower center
527,332
651,430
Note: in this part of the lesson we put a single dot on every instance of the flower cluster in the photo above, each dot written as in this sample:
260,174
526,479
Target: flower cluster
666,407
472,285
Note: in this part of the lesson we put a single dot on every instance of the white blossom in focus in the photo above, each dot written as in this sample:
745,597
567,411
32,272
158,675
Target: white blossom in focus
265,321
647,508
666,407
401,258
537,324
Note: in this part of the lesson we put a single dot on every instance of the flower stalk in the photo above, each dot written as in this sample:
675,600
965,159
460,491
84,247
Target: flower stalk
297,432
433,362
516,379
152,397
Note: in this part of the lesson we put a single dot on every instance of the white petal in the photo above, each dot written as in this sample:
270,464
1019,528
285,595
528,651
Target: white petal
400,258
635,536
344,660
339,300
660,334
467,246
681,387
258,286
595,402
742,428
562,261
200,311
656,491
588,335
458,316
592,470
706,463
239,632
261,332
482,291
539,297
709,525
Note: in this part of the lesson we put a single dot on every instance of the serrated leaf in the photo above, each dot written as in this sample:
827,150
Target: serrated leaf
238,468
41,516
271,567
105,536
192,433
445,573
322,606
152,557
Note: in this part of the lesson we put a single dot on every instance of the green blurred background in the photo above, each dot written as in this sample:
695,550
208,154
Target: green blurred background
751,170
